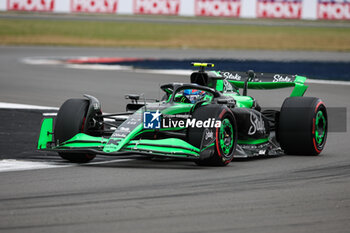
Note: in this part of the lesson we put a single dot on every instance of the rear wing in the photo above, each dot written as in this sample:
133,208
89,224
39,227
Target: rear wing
267,81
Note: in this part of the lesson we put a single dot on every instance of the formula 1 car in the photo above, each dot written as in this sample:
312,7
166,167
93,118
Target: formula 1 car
207,121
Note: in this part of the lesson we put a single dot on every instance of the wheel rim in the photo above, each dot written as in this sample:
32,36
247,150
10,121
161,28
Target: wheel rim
226,137
320,127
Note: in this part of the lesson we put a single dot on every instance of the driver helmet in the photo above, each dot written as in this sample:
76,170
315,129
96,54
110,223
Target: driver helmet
194,95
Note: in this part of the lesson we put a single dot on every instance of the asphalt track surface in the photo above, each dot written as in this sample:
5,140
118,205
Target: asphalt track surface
283,194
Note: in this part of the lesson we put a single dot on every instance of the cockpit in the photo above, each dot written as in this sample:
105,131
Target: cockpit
192,96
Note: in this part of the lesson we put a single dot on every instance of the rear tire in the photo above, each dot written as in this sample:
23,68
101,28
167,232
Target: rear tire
70,121
303,125
225,136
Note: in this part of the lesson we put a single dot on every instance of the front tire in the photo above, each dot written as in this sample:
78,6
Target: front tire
303,126
225,136
70,121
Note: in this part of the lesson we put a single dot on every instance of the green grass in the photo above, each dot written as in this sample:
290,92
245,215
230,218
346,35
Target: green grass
134,34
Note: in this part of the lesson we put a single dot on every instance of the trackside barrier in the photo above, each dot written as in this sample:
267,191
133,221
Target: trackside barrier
286,9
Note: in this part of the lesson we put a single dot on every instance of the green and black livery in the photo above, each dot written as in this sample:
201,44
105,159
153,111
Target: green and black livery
80,131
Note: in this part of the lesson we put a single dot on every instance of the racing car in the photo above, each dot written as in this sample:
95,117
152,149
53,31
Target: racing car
209,120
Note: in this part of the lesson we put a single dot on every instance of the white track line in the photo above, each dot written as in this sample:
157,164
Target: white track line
4,105
98,67
41,61
8,165
128,68
168,72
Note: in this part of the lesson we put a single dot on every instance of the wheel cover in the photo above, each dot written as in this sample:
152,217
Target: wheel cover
320,127
226,137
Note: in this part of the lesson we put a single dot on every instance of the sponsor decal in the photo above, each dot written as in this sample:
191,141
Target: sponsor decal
257,124
280,78
227,86
232,76
31,5
157,7
254,147
333,9
94,6
96,106
125,129
209,134
208,137
112,141
118,134
224,8
132,121
286,9
262,152
152,120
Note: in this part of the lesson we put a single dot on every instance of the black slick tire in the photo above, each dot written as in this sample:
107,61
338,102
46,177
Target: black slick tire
70,121
303,125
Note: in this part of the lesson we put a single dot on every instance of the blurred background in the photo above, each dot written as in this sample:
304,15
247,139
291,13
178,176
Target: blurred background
52,50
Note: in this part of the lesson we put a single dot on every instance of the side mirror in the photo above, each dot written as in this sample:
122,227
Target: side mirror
228,102
133,97
222,101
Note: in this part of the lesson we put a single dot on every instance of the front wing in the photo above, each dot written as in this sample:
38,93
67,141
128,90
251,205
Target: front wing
169,147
